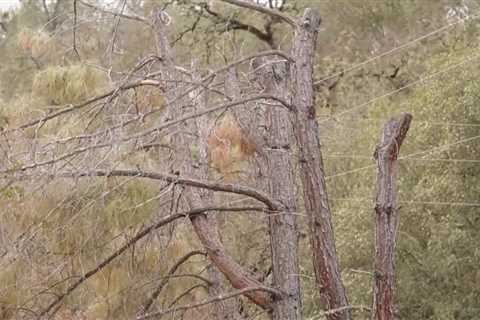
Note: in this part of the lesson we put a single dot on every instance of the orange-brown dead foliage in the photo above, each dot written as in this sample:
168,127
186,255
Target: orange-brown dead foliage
229,146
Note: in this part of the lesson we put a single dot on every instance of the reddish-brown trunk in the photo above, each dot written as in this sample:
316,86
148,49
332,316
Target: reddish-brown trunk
386,217
325,260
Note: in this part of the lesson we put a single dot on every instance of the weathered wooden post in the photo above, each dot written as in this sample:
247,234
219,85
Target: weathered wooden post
386,216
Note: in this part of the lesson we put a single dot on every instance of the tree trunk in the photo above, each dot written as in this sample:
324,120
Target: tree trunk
275,144
325,260
386,217
283,228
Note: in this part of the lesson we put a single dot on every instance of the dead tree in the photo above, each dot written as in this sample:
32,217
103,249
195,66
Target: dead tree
195,133
386,216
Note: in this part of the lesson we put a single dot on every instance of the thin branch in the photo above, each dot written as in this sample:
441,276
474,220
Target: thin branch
209,301
224,106
234,24
264,10
148,82
141,134
208,282
178,298
52,17
214,186
162,222
85,103
323,314
119,14
45,8
165,280
184,32
74,28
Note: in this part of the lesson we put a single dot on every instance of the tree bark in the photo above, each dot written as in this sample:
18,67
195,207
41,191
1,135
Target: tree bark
283,226
317,207
386,216
276,144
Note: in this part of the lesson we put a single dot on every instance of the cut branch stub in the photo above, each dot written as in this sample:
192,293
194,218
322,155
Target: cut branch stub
394,133
386,218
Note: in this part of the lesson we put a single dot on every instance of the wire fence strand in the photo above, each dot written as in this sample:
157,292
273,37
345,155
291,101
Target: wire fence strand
394,50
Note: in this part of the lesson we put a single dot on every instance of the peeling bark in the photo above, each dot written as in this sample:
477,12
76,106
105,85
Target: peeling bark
386,216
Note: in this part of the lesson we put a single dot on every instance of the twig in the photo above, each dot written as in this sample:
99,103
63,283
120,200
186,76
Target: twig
215,186
209,301
120,14
84,104
165,280
265,10
148,82
141,134
74,28
164,221
183,294
337,310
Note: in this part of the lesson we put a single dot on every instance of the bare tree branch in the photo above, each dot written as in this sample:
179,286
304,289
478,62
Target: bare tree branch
45,8
162,222
220,107
157,129
3,26
165,280
84,104
146,81
234,24
186,292
209,301
119,14
214,186
264,10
